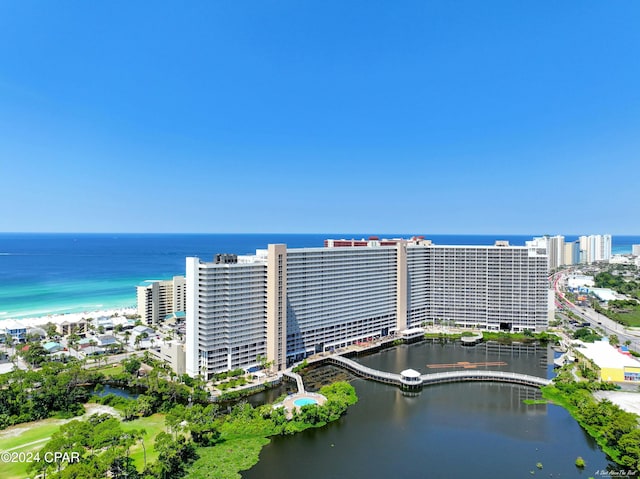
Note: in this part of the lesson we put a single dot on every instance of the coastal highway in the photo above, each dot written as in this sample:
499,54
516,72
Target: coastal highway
595,319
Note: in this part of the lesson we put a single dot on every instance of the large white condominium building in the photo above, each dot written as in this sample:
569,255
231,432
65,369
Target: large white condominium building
157,299
554,247
284,304
595,248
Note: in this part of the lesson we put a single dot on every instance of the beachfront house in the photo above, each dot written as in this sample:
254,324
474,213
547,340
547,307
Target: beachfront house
16,330
105,322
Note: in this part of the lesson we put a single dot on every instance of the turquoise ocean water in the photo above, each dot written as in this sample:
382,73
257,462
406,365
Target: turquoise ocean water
42,274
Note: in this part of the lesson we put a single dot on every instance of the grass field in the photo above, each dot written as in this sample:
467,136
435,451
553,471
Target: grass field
631,317
109,370
31,437
28,437
152,425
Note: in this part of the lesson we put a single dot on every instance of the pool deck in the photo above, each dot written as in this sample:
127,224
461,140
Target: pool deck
289,405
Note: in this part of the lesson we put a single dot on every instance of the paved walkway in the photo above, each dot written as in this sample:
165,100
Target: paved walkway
298,380
439,378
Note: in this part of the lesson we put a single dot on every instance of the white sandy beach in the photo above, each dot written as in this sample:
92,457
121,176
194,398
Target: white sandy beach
72,317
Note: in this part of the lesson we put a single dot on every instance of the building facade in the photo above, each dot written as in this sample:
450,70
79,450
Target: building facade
595,248
158,299
285,304
226,315
571,253
554,247
493,288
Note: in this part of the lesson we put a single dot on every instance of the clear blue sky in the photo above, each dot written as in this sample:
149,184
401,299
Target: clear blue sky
326,116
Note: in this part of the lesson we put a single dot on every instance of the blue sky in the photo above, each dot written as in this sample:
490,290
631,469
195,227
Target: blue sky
288,116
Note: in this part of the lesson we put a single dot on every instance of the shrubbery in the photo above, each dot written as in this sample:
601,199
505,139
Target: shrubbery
613,428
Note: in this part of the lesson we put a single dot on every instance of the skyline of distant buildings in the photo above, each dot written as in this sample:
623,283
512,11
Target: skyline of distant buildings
586,249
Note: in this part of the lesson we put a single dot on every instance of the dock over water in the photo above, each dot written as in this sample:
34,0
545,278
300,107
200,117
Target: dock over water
437,378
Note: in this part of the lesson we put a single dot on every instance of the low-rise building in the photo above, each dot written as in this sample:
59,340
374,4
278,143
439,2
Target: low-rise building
605,294
106,340
579,281
52,347
105,322
15,329
92,351
72,327
173,354
613,364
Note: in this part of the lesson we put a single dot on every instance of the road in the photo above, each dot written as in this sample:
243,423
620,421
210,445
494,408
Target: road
596,320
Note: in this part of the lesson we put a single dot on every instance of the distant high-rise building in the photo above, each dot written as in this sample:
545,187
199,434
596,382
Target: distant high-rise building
553,247
635,250
595,248
571,253
157,299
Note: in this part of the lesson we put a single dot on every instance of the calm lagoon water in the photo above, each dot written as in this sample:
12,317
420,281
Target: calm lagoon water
459,430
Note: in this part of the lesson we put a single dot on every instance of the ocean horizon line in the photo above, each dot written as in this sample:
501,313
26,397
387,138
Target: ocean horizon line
374,233
58,273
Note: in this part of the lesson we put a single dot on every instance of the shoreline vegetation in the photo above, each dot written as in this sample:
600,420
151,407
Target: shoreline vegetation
499,336
170,430
616,431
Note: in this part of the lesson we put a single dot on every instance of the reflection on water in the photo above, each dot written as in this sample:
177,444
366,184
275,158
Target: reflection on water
458,430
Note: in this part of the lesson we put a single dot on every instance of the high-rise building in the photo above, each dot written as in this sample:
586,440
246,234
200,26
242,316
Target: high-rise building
635,250
285,304
554,247
595,248
157,299
571,253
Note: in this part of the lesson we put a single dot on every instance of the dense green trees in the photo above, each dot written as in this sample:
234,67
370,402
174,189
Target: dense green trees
198,420
175,456
613,428
618,283
32,395
34,354
586,334
96,448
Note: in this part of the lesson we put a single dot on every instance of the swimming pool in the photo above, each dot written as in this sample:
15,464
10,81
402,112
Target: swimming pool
304,402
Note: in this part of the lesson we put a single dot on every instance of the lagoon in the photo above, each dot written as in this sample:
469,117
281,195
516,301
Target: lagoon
460,430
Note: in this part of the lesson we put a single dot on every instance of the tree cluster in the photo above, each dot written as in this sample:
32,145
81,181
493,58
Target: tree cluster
609,424
618,283
32,395
102,447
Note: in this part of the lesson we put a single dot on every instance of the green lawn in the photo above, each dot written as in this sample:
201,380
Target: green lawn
109,370
28,437
629,318
152,425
